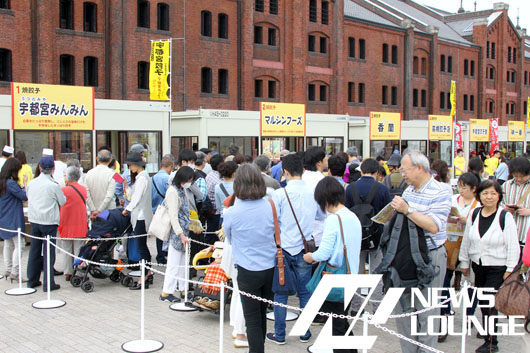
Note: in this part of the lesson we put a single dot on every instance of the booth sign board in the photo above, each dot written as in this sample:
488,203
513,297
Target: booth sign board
52,107
282,119
479,130
385,126
440,127
159,70
516,131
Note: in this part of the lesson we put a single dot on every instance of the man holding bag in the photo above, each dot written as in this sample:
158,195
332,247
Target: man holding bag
296,209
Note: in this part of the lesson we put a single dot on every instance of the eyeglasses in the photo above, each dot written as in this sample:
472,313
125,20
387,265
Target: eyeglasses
404,170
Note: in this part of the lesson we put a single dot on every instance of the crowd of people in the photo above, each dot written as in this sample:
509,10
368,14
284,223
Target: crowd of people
322,205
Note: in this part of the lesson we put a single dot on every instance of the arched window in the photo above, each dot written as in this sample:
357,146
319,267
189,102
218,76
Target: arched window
206,23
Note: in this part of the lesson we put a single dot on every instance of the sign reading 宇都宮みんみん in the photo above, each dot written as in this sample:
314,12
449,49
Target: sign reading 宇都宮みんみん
52,107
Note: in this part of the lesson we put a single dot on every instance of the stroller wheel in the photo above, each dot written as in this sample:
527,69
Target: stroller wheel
115,276
127,281
87,286
76,281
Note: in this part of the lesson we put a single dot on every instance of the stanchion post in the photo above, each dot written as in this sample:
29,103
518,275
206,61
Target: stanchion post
221,316
142,305
48,303
19,239
187,274
365,328
48,284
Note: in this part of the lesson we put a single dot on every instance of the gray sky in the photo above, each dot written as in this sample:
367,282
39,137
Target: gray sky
454,5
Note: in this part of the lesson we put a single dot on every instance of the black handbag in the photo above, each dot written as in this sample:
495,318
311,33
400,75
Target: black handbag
309,246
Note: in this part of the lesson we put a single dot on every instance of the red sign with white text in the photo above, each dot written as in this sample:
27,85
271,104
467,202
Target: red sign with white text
458,137
494,135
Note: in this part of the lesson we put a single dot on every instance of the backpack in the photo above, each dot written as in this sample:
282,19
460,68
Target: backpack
502,217
395,191
205,208
354,173
364,210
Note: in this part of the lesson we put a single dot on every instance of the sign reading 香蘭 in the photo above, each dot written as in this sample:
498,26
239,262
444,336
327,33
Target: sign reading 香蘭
385,126
52,107
440,127
282,119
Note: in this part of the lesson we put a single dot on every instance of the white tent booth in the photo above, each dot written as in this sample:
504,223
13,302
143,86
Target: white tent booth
220,129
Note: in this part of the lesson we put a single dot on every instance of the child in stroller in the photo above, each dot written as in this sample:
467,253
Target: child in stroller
108,224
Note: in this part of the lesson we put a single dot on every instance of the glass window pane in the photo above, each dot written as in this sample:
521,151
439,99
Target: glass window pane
151,141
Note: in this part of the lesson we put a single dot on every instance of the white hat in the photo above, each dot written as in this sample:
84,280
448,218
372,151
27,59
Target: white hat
47,152
8,149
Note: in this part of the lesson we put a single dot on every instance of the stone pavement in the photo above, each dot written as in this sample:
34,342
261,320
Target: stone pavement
103,320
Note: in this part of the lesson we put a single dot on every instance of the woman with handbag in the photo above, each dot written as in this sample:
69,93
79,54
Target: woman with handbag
464,202
179,214
249,226
340,247
491,244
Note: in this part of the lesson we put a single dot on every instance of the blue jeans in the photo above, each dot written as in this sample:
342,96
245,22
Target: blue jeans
302,275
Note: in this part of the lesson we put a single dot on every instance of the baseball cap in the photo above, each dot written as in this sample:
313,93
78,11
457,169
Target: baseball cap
8,149
47,152
206,150
47,162
284,153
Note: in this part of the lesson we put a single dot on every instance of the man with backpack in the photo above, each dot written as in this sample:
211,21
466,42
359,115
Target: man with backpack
366,197
417,245
395,181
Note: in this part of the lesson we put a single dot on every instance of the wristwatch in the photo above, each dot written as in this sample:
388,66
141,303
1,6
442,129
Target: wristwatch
409,211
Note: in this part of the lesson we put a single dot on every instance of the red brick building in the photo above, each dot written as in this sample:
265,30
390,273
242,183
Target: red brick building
338,56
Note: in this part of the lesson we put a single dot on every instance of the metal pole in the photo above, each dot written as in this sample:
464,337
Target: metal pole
187,275
19,259
464,320
142,276
365,328
48,266
221,316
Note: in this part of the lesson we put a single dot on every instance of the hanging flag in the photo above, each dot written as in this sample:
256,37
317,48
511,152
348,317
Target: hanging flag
453,98
528,110
494,135
458,137
159,70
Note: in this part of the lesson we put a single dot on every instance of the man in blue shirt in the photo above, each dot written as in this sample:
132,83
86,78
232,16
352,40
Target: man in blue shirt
363,187
305,208
276,170
158,193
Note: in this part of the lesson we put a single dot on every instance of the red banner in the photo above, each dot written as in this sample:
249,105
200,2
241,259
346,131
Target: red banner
494,135
458,137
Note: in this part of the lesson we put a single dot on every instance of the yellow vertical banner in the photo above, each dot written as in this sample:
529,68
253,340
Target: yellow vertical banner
452,98
516,131
528,110
479,130
159,70
385,126
440,127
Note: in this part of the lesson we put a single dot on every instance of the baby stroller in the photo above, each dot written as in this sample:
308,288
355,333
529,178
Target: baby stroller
207,297
108,224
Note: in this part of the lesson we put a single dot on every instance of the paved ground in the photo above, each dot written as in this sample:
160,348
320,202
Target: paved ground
103,320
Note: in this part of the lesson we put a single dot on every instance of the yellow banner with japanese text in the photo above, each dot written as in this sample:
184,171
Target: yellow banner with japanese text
282,119
452,98
159,70
516,131
479,130
51,107
385,126
440,127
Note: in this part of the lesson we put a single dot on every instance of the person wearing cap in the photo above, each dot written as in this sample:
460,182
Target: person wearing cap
460,162
140,207
101,185
394,180
60,166
7,153
276,170
137,147
44,199
353,161
207,168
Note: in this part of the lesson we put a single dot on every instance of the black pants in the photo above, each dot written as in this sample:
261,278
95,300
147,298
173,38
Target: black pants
142,241
488,277
161,255
37,254
258,283
339,326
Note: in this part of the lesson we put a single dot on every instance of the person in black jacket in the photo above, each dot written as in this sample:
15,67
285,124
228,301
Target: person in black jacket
363,186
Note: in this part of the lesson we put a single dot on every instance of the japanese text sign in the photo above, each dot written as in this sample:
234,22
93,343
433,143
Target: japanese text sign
52,107
452,98
159,70
459,142
385,126
440,127
516,131
282,119
479,130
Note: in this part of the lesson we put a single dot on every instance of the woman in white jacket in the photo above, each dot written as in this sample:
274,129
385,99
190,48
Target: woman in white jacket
491,244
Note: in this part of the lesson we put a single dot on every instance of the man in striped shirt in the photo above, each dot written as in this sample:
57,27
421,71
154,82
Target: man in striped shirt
427,203
516,193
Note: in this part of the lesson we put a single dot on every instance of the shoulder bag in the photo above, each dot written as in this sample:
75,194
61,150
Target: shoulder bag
284,280
160,225
513,297
324,268
309,246
453,247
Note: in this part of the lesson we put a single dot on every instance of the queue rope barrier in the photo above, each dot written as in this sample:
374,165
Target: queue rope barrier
364,318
